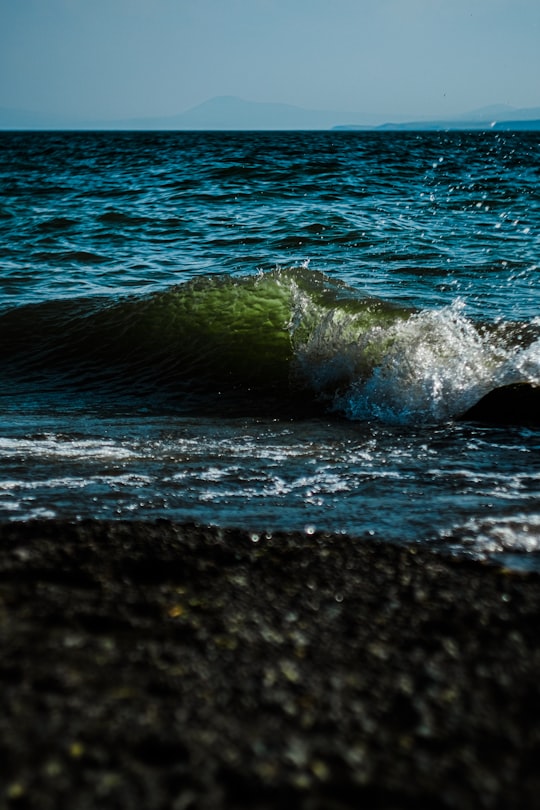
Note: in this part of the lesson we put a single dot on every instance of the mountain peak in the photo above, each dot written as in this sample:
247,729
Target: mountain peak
232,112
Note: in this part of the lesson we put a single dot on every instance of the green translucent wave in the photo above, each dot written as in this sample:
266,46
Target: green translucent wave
290,335
211,332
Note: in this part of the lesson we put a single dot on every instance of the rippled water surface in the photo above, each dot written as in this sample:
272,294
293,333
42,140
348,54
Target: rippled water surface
369,288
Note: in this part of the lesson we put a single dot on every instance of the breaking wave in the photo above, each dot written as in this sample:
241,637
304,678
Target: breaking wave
289,335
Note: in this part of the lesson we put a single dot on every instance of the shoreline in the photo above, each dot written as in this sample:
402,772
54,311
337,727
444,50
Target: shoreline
162,665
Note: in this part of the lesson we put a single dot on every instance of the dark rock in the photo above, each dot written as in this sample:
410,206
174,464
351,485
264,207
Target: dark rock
517,404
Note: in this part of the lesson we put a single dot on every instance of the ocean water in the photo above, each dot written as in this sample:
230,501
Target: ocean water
272,331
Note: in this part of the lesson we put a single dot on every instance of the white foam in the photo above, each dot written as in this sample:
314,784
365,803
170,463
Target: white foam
429,367
58,447
518,533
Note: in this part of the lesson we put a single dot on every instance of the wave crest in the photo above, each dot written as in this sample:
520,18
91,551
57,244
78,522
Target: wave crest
292,334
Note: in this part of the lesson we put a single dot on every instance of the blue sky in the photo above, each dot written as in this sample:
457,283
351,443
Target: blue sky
389,58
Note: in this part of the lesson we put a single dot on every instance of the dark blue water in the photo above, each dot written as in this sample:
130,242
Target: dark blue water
272,330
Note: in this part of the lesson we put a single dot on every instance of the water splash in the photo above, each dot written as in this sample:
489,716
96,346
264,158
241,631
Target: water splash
289,335
429,366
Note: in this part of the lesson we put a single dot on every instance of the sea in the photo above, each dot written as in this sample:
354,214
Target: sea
274,331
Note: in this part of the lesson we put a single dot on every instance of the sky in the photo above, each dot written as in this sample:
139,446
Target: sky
392,59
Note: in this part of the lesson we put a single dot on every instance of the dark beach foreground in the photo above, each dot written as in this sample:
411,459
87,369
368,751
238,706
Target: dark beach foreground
153,665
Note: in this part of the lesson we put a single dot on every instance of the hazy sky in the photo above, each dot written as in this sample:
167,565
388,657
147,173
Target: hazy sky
393,58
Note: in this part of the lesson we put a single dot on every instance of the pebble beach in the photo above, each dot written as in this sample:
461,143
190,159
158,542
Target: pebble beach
161,665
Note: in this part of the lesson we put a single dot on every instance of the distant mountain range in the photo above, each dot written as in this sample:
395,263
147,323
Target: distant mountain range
232,113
